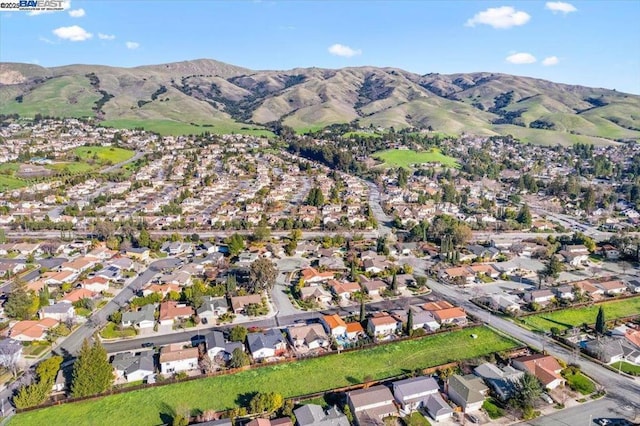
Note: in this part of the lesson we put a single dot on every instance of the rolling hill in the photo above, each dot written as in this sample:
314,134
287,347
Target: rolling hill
194,96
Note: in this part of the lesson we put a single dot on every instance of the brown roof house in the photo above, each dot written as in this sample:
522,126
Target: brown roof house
545,367
369,406
174,359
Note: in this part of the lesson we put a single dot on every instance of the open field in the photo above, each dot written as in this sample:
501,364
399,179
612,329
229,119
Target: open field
104,154
73,167
568,318
149,406
177,128
406,158
8,183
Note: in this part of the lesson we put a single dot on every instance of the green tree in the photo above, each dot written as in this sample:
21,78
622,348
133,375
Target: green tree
261,233
402,177
315,197
524,216
262,274
410,322
553,268
528,390
144,239
394,282
601,326
239,358
21,304
267,402
363,312
37,393
92,373
235,243
238,334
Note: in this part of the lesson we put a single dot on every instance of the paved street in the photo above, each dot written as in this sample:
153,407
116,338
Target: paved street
71,344
588,413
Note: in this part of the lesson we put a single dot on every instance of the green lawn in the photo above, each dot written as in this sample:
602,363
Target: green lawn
110,331
493,411
7,183
405,157
104,154
298,378
416,419
74,167
579,382
627,367
568,318
177,128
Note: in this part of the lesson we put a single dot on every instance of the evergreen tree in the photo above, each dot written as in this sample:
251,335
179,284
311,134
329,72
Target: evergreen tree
394,282
144,239
402,177
410,322
601,327
362,308
524,216
92,373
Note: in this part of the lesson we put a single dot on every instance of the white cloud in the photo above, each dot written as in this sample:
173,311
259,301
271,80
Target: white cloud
77,13
66,4
72,33
550,60
106,36
560,7
344,51
499,17
521,58
132,45
46,40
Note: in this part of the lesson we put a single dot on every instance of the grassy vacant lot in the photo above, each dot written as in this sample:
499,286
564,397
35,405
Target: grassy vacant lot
149,406
73,168
627,367
568,318
405,157
8,183
177,128
104,154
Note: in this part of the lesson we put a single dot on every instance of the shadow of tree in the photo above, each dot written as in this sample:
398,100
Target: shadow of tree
167,413
243,399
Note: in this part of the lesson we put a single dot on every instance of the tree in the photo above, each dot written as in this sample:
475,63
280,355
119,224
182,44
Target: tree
315,197
394,282
363,313
262,274
261,233
267,402
235,243
144,239
21,304
444,375
238,334
402,177
239,358
295,235
524,216
528,390
410,322
553,268
37,393
92,373
461,234
601,326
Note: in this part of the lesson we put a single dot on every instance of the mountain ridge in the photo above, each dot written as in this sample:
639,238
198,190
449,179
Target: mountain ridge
225,97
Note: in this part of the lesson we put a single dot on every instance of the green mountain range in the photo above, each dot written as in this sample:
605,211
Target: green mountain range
194,96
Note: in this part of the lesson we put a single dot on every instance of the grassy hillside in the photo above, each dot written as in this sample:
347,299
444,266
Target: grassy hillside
185,97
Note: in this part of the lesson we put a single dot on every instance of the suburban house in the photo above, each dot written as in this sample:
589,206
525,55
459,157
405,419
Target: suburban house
96,284
312,276
78,294
545,367
59,311
315,415
501,380
412,393
335,325
454,316
575,255
373,287
171,311
163,289
144,318
588,288
308,337
212,308
371,405
217,346
539,296
606,350
424,319
507,303
28,330
133,367
239,303
467,391
383,325
612,288
610,252
354,330
344,290
316,294
141,254
174,359
267,344
437,408
564,292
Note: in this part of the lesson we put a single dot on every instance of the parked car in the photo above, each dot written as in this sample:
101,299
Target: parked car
473,418
147,345
546,398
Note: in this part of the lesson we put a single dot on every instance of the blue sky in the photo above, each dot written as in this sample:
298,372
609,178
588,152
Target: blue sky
593,43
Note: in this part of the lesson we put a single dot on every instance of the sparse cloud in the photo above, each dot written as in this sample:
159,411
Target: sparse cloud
132,45
344,51
521,58
499,17
66,4
46,40
77,13
102,36
550,61
72,33
286,27
560,7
